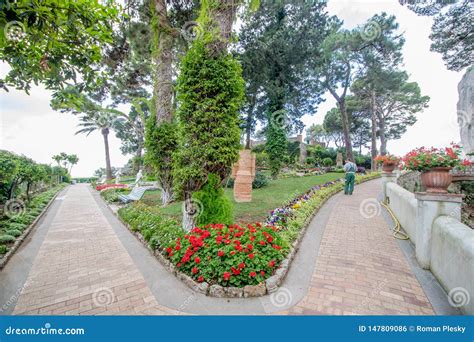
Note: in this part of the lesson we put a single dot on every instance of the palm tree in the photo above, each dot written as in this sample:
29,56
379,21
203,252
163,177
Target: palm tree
57,158
102,122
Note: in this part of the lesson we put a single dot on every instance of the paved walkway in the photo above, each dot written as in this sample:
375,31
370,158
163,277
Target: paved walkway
82,268
88,263
360,269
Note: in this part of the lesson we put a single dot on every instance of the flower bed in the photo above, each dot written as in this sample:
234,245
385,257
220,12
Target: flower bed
229,255
111,195
14,229
231,260
110,186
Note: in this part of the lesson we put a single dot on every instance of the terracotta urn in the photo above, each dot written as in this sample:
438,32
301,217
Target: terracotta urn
388,167
437,179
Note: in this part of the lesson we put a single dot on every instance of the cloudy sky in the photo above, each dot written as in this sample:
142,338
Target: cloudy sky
29,126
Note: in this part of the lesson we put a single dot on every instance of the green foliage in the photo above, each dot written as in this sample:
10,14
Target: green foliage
214,206
13,232
5,238
160,231
276,148
19,172
209,92
328,162
3,249
160,142
59,42
260,181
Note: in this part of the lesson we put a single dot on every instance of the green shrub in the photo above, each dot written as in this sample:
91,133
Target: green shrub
213,205
112,195
13,232
15,226
5,238
327,162
260,181
3,249
158,230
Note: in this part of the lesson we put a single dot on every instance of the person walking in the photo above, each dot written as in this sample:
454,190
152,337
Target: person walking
350,168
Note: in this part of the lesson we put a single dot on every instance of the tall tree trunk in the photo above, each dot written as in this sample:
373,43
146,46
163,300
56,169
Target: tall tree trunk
383,138
108,168
346,130
189,212
373,117
163,89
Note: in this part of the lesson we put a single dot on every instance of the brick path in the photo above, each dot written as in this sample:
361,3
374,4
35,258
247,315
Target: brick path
82,267
360,269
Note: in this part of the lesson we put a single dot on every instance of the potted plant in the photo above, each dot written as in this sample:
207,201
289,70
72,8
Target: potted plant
435,165
388,161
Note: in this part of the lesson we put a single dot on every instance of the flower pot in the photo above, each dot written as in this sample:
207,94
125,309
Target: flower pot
437,180
388,167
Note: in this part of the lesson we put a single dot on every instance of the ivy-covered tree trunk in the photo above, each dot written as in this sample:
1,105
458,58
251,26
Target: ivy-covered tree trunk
208,108
373,119
383,137
108,168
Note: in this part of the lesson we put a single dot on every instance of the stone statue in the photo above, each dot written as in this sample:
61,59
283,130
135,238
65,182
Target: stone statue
117,176
465,112
139,177
339,161
244,173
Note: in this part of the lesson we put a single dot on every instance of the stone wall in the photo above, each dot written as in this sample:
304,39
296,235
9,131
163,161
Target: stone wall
452,259
403,204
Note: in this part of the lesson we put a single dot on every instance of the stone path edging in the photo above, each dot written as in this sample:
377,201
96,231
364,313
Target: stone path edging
270,285
27,231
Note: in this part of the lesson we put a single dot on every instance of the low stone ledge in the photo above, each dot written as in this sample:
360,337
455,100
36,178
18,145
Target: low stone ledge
255,290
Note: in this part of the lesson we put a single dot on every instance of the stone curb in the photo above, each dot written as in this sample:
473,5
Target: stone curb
270,285
27,231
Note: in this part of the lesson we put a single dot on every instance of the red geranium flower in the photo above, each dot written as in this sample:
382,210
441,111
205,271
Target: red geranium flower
169,250
220,253
241,265
250,246
262,243
226,275
251,255
178,247
235,271
197,260
276,247
271,263
252,274
195,270
262,273
200,279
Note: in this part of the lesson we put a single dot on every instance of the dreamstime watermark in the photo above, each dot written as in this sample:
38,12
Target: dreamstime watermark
191,30
279,119
462,120
192,207
281,298
373,293
14,31
458,297
103,296
371,31
369,208
46,330
14,208
14,298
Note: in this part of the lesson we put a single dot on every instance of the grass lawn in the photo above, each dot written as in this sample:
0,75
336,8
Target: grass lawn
264,200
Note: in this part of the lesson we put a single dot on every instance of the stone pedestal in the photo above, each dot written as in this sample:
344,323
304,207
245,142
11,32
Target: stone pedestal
244,173
339,160
430,207
387,177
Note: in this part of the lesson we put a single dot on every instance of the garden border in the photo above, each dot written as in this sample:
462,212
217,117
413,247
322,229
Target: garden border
27,231
270,285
